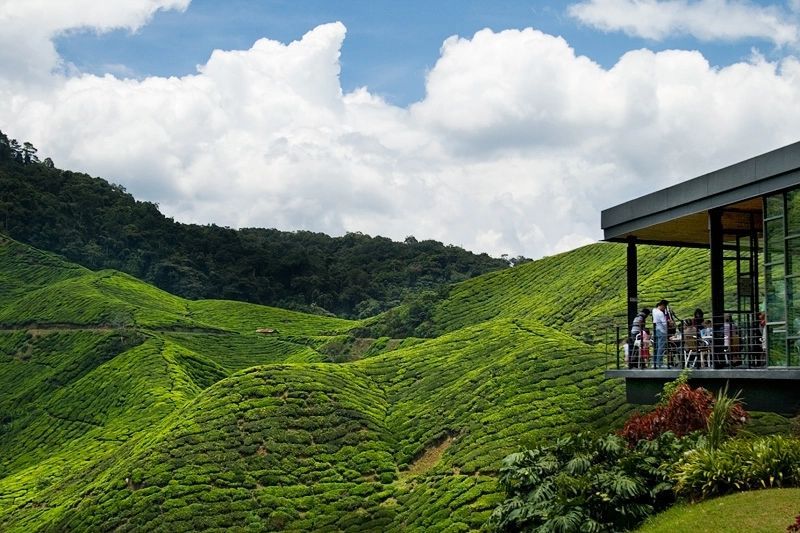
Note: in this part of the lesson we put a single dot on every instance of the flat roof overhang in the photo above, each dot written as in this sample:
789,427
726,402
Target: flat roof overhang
678,215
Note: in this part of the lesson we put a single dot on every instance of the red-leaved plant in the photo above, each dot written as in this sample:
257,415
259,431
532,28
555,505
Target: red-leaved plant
686,410
796,525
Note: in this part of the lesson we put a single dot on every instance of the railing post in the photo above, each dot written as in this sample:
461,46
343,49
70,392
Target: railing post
618,344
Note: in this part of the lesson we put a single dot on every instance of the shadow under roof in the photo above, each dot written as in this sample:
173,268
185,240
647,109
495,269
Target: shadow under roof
678,215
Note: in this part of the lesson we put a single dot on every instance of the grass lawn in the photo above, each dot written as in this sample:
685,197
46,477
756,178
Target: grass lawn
760,510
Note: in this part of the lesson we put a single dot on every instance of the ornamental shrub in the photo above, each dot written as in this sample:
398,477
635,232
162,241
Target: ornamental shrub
681,412
685,411
585,483
738,464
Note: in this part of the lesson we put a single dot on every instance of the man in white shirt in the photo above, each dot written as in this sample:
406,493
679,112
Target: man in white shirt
660,332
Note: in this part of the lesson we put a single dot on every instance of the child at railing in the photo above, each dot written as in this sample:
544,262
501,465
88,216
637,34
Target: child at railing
644,348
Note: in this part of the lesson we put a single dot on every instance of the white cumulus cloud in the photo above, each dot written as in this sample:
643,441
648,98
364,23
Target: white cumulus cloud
516,147
27,28
706,20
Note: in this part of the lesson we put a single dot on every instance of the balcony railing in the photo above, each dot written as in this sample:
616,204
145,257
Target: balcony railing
738,344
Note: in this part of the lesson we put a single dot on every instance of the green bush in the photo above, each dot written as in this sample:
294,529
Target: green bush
584,483
739,464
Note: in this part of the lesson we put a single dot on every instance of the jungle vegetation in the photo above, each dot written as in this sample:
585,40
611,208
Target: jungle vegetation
99,225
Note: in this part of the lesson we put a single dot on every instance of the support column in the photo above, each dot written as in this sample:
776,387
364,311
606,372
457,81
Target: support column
633,282
717,279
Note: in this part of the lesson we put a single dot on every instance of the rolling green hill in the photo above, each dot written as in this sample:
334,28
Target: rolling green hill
308,446
581,292
124,407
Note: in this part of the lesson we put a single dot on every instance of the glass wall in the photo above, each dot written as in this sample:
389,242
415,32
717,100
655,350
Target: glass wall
782,277
741,289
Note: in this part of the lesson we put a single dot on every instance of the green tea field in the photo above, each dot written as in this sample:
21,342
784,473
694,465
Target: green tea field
123,407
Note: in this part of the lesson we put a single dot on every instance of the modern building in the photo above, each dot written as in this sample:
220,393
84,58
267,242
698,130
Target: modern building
748,216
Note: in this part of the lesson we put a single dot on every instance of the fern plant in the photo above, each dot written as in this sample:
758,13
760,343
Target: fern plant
587,483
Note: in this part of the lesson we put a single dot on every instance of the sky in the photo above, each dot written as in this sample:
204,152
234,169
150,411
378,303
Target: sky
503,127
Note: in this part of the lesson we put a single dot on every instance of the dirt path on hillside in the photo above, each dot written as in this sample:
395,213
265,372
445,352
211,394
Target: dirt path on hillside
46,329
38,331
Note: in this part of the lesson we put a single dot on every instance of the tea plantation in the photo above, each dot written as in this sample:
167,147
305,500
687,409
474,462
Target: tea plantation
582,291
123,407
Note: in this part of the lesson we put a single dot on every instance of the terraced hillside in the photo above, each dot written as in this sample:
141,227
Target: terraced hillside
580,291
91,361
124,407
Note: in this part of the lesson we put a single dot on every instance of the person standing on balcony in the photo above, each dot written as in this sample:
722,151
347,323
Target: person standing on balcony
639,321
660,331
638,332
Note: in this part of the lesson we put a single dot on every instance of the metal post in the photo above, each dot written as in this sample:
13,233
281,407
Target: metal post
633,280
717,281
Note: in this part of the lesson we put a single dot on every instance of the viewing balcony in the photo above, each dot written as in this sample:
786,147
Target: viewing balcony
740,361
748,217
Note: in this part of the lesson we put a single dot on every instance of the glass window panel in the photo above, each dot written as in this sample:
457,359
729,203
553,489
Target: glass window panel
762,298
794,352
729,283
744,246
775,293
745,285
774,205
793,249
775,242
793,306
745,304
776,343
793,212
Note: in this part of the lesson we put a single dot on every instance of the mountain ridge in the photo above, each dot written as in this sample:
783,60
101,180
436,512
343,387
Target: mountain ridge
99,225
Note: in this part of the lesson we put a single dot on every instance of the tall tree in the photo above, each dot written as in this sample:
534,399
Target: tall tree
5,148
29,153
16,151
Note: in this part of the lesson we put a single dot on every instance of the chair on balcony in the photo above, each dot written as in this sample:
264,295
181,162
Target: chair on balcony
691,350
704,351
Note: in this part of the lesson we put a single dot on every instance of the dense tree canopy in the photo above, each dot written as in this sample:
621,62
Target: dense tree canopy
100,225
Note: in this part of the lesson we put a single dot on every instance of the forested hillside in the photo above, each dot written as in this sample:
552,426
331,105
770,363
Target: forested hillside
99,225
127,407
